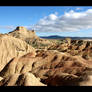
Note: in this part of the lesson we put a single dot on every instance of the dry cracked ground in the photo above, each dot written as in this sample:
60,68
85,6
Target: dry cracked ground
28,60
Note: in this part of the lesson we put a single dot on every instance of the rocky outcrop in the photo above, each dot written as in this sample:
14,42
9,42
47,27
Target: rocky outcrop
1,78
64,63
19,65
65,79
26,79
52,67
23,33
56,61
11,47
30,37
74,47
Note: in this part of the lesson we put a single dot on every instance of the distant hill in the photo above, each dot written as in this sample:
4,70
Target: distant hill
63,37
23,33
30,37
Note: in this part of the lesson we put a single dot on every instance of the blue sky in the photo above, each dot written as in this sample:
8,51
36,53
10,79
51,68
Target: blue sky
48,20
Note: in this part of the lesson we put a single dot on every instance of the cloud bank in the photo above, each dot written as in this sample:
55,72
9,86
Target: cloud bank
7,27
70,21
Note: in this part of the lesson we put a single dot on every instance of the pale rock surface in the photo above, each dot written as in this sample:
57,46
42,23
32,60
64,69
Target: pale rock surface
52,67
1,78
11,47
19,65
26,79
30,37
87,82
23,33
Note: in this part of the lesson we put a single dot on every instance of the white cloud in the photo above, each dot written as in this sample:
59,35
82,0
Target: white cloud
52,17
74,15
68,22
7,27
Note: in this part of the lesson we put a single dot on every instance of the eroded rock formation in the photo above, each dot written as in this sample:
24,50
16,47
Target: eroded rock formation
11,47
26,79
52,67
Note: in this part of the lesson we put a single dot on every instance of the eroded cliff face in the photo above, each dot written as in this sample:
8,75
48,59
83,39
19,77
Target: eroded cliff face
75,48
64,64
30,37
23,33
25,79
11,47
52,67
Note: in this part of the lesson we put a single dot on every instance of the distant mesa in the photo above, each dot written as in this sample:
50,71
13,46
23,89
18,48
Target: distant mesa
23,33
20,28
